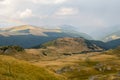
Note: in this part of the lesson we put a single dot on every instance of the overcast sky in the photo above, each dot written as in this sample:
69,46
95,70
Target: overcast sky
87,15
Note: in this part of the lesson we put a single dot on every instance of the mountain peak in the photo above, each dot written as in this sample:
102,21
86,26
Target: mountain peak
23,27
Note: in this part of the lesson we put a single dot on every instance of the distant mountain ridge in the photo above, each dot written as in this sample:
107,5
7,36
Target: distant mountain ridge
26,30
104,33
113,36
28,36
107,45
73,31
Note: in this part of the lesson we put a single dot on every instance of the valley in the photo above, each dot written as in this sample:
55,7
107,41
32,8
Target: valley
60,59
59,39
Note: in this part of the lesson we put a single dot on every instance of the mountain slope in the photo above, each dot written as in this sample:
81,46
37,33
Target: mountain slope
105,32
107,45
73,31
113,44
90,66
28,36
114,34
27,30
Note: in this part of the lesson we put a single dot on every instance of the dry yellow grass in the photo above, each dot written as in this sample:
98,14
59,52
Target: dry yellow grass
72,67
79,61
13,69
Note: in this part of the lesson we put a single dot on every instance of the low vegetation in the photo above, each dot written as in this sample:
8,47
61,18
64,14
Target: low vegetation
46,64
13,69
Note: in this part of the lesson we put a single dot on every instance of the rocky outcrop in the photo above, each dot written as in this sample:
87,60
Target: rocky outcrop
10,49
68,46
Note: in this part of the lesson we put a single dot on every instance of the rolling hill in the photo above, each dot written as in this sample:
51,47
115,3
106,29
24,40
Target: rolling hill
14,69
60,59
68,46
90,66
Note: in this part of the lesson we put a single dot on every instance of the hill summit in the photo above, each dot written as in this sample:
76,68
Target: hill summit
69,45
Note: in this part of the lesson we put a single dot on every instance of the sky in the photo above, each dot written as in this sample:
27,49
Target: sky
89,16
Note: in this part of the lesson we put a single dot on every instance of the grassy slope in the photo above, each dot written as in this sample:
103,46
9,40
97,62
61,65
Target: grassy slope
109,62
75,67
85,66
13,69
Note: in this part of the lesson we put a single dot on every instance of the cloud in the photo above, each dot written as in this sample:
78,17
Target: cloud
2,0
26,14
48,1
5,2
67,11
88,15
